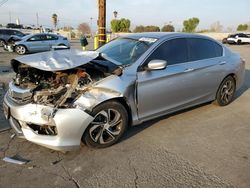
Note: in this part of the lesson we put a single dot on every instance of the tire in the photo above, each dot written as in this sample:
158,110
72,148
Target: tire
109,124
20,49
2,43
226,91
239,42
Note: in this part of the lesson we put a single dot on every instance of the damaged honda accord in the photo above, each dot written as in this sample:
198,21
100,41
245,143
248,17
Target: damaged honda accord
60,99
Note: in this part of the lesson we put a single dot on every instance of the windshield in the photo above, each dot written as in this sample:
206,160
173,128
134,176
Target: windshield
125,50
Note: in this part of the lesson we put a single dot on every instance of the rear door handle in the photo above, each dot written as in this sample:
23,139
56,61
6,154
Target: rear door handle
222,63
188,70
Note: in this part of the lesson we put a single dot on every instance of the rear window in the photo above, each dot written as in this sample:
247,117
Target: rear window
203,49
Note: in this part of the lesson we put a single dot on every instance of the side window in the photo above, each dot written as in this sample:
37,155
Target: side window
8,32
35,38
43,37
218,50
52,37
18,33
203,49
2,32
173,51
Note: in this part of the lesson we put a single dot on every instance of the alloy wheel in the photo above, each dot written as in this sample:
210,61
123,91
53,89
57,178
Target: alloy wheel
20,50
227,91
106,126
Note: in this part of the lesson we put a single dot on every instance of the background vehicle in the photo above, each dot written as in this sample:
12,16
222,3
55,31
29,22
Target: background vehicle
39,43
6,34
59,98
239,38
14,26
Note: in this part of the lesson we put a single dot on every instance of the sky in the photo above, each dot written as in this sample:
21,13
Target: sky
229,13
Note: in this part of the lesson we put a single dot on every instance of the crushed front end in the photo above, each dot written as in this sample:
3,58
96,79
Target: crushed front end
40,104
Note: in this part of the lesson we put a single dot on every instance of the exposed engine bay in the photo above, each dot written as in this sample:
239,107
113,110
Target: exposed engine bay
58,88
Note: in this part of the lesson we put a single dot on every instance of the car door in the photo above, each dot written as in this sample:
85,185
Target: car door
37,43
161,91
192,76
207,64
51,40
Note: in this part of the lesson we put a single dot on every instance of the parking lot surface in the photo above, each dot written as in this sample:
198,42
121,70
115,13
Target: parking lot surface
206,146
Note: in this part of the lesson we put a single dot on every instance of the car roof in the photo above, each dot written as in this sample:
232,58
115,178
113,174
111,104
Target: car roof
161,35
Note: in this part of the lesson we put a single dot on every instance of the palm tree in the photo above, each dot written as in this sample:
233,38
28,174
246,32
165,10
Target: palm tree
54,20
115,14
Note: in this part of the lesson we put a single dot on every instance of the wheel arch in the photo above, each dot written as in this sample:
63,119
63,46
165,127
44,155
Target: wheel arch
123,101
233,75
23,46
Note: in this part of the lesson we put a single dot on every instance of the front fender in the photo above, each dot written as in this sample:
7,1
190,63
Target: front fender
95,96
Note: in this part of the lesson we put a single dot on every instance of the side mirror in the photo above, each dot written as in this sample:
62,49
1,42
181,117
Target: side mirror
156,65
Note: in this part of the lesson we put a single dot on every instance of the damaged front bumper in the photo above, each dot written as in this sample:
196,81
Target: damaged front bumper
58,129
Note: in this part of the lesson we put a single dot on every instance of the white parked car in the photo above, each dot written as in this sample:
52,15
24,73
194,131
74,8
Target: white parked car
239,38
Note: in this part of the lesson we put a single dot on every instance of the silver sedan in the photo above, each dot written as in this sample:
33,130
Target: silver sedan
62,98
39,43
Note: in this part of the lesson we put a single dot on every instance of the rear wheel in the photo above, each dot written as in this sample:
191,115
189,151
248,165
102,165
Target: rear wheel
109,124
226,91
239,42
20,49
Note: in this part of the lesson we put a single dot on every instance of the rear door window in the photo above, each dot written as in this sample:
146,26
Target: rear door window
203,49
52,37
173,51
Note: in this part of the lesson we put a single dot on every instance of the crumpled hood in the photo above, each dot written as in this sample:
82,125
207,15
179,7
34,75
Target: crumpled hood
57,60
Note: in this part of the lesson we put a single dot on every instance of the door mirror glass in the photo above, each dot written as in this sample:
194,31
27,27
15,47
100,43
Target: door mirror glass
156,65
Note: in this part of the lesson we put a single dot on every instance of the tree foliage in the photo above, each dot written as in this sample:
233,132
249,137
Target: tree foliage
84,28
242,27
149,28
120,25
190,25
216,27
168,28
55,20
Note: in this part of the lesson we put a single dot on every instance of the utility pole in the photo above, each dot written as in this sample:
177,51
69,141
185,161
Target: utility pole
102,22
91,20
37,20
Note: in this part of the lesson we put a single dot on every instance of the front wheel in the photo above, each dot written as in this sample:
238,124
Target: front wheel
226,91
109,124
2,43
20,49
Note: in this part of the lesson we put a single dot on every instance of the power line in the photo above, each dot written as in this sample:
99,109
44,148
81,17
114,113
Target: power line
3,2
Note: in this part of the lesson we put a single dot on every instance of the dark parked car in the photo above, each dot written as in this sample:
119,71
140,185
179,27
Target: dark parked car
14,26
6,34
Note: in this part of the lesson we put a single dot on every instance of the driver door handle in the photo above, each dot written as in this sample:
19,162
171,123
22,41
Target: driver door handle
188,70
222,63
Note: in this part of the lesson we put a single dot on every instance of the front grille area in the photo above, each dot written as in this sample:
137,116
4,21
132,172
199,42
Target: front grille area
19,95
43,129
